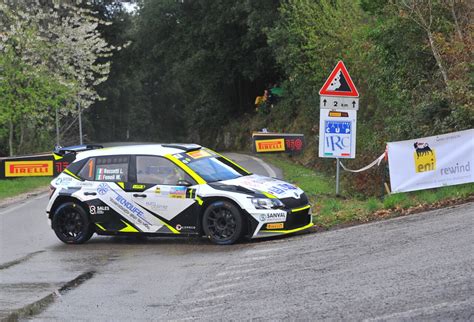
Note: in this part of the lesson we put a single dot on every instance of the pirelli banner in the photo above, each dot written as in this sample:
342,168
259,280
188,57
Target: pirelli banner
41,165
264,142
431,162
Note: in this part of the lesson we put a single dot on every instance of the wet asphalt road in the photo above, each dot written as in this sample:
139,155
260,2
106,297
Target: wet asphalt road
417,267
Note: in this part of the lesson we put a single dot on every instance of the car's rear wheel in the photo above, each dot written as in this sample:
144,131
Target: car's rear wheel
222,223
71,224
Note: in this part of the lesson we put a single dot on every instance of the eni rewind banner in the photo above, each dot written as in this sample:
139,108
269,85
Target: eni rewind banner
435,161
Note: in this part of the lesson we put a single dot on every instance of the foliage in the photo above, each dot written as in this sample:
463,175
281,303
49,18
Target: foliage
16,186
193,67
52,57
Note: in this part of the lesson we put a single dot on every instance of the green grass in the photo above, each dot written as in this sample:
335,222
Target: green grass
16,186
330,210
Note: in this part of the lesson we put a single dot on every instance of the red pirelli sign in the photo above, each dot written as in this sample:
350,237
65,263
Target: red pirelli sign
265,142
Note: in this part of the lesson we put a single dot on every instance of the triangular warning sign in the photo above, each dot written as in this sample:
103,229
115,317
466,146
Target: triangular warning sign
339,83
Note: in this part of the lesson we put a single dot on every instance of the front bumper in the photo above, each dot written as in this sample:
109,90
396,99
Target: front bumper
297,219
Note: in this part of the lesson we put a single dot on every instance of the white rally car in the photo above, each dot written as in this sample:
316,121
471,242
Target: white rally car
172,190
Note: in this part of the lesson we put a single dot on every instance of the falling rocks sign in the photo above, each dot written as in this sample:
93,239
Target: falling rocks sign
265,142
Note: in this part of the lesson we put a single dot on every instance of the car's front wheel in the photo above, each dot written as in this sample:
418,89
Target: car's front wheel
71,224
222,223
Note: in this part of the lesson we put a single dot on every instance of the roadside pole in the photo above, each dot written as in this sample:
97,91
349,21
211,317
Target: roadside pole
339,103
80,122
57,126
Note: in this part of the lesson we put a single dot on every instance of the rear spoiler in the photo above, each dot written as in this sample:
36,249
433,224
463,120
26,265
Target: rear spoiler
187,147
62,151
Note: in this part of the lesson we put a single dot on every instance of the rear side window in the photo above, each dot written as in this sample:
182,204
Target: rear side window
111,168
87,171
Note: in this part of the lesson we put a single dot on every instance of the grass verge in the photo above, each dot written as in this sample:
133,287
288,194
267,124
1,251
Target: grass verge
16,186
330,211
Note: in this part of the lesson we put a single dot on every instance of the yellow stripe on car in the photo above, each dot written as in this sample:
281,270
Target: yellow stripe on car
57,156
186,169
128,228
269,195
174,231
199,200
229,160
71,174
289,231
100,226
300,209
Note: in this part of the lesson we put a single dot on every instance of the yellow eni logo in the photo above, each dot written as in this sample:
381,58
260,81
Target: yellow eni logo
425,157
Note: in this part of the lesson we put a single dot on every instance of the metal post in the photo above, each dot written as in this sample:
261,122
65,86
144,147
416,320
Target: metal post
80,123
337,177
57,127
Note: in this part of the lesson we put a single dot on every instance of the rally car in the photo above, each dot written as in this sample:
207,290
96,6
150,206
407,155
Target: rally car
169,190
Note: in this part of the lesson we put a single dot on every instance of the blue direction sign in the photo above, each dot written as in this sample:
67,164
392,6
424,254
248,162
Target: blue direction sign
338,127
337,134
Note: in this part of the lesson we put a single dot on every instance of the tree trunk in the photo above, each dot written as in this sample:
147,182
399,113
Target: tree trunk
456,22
22,136
10,138
439,60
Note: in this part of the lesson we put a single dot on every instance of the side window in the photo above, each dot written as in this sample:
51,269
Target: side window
157,170
111,168
87,171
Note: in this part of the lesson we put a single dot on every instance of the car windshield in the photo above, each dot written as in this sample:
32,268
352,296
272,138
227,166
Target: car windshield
216,169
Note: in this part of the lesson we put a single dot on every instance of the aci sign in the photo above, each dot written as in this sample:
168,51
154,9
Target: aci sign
337,136
339,102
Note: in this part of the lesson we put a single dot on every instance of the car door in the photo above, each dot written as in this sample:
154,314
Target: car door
166,191
110,206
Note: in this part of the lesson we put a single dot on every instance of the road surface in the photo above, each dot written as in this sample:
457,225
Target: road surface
410,268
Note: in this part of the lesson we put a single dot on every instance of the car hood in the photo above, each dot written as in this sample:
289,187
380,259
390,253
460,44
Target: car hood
266,185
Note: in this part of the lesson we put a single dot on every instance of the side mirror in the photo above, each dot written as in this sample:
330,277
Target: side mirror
184,183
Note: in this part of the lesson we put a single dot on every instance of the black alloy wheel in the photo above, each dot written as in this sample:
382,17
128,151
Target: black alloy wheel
222,223
71,224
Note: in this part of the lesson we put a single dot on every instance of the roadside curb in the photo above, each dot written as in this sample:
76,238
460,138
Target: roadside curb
387,214
42,304
4,203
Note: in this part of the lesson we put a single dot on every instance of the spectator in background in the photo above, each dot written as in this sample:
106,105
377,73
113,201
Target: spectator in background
259,100
262,103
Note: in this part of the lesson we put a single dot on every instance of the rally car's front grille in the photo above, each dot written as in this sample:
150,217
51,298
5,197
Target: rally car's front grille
293,203
297,219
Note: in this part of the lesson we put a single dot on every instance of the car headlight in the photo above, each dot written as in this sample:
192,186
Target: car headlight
266,203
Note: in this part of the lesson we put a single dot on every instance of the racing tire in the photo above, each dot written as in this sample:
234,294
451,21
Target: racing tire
222,223
71,223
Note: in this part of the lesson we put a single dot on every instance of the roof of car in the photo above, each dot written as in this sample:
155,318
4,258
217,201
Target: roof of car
141,149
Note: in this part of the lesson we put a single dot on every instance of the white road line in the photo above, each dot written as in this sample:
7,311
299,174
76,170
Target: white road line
209,298
240,272
267,168
221,287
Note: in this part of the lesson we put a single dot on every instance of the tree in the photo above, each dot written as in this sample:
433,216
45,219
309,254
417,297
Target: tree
53,56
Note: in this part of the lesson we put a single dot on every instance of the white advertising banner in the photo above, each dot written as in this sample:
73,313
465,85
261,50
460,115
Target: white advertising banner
435,161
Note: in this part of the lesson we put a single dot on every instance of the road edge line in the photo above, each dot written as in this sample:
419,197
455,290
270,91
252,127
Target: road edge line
267,168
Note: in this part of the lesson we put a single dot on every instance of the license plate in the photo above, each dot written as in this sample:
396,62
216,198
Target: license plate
275,226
